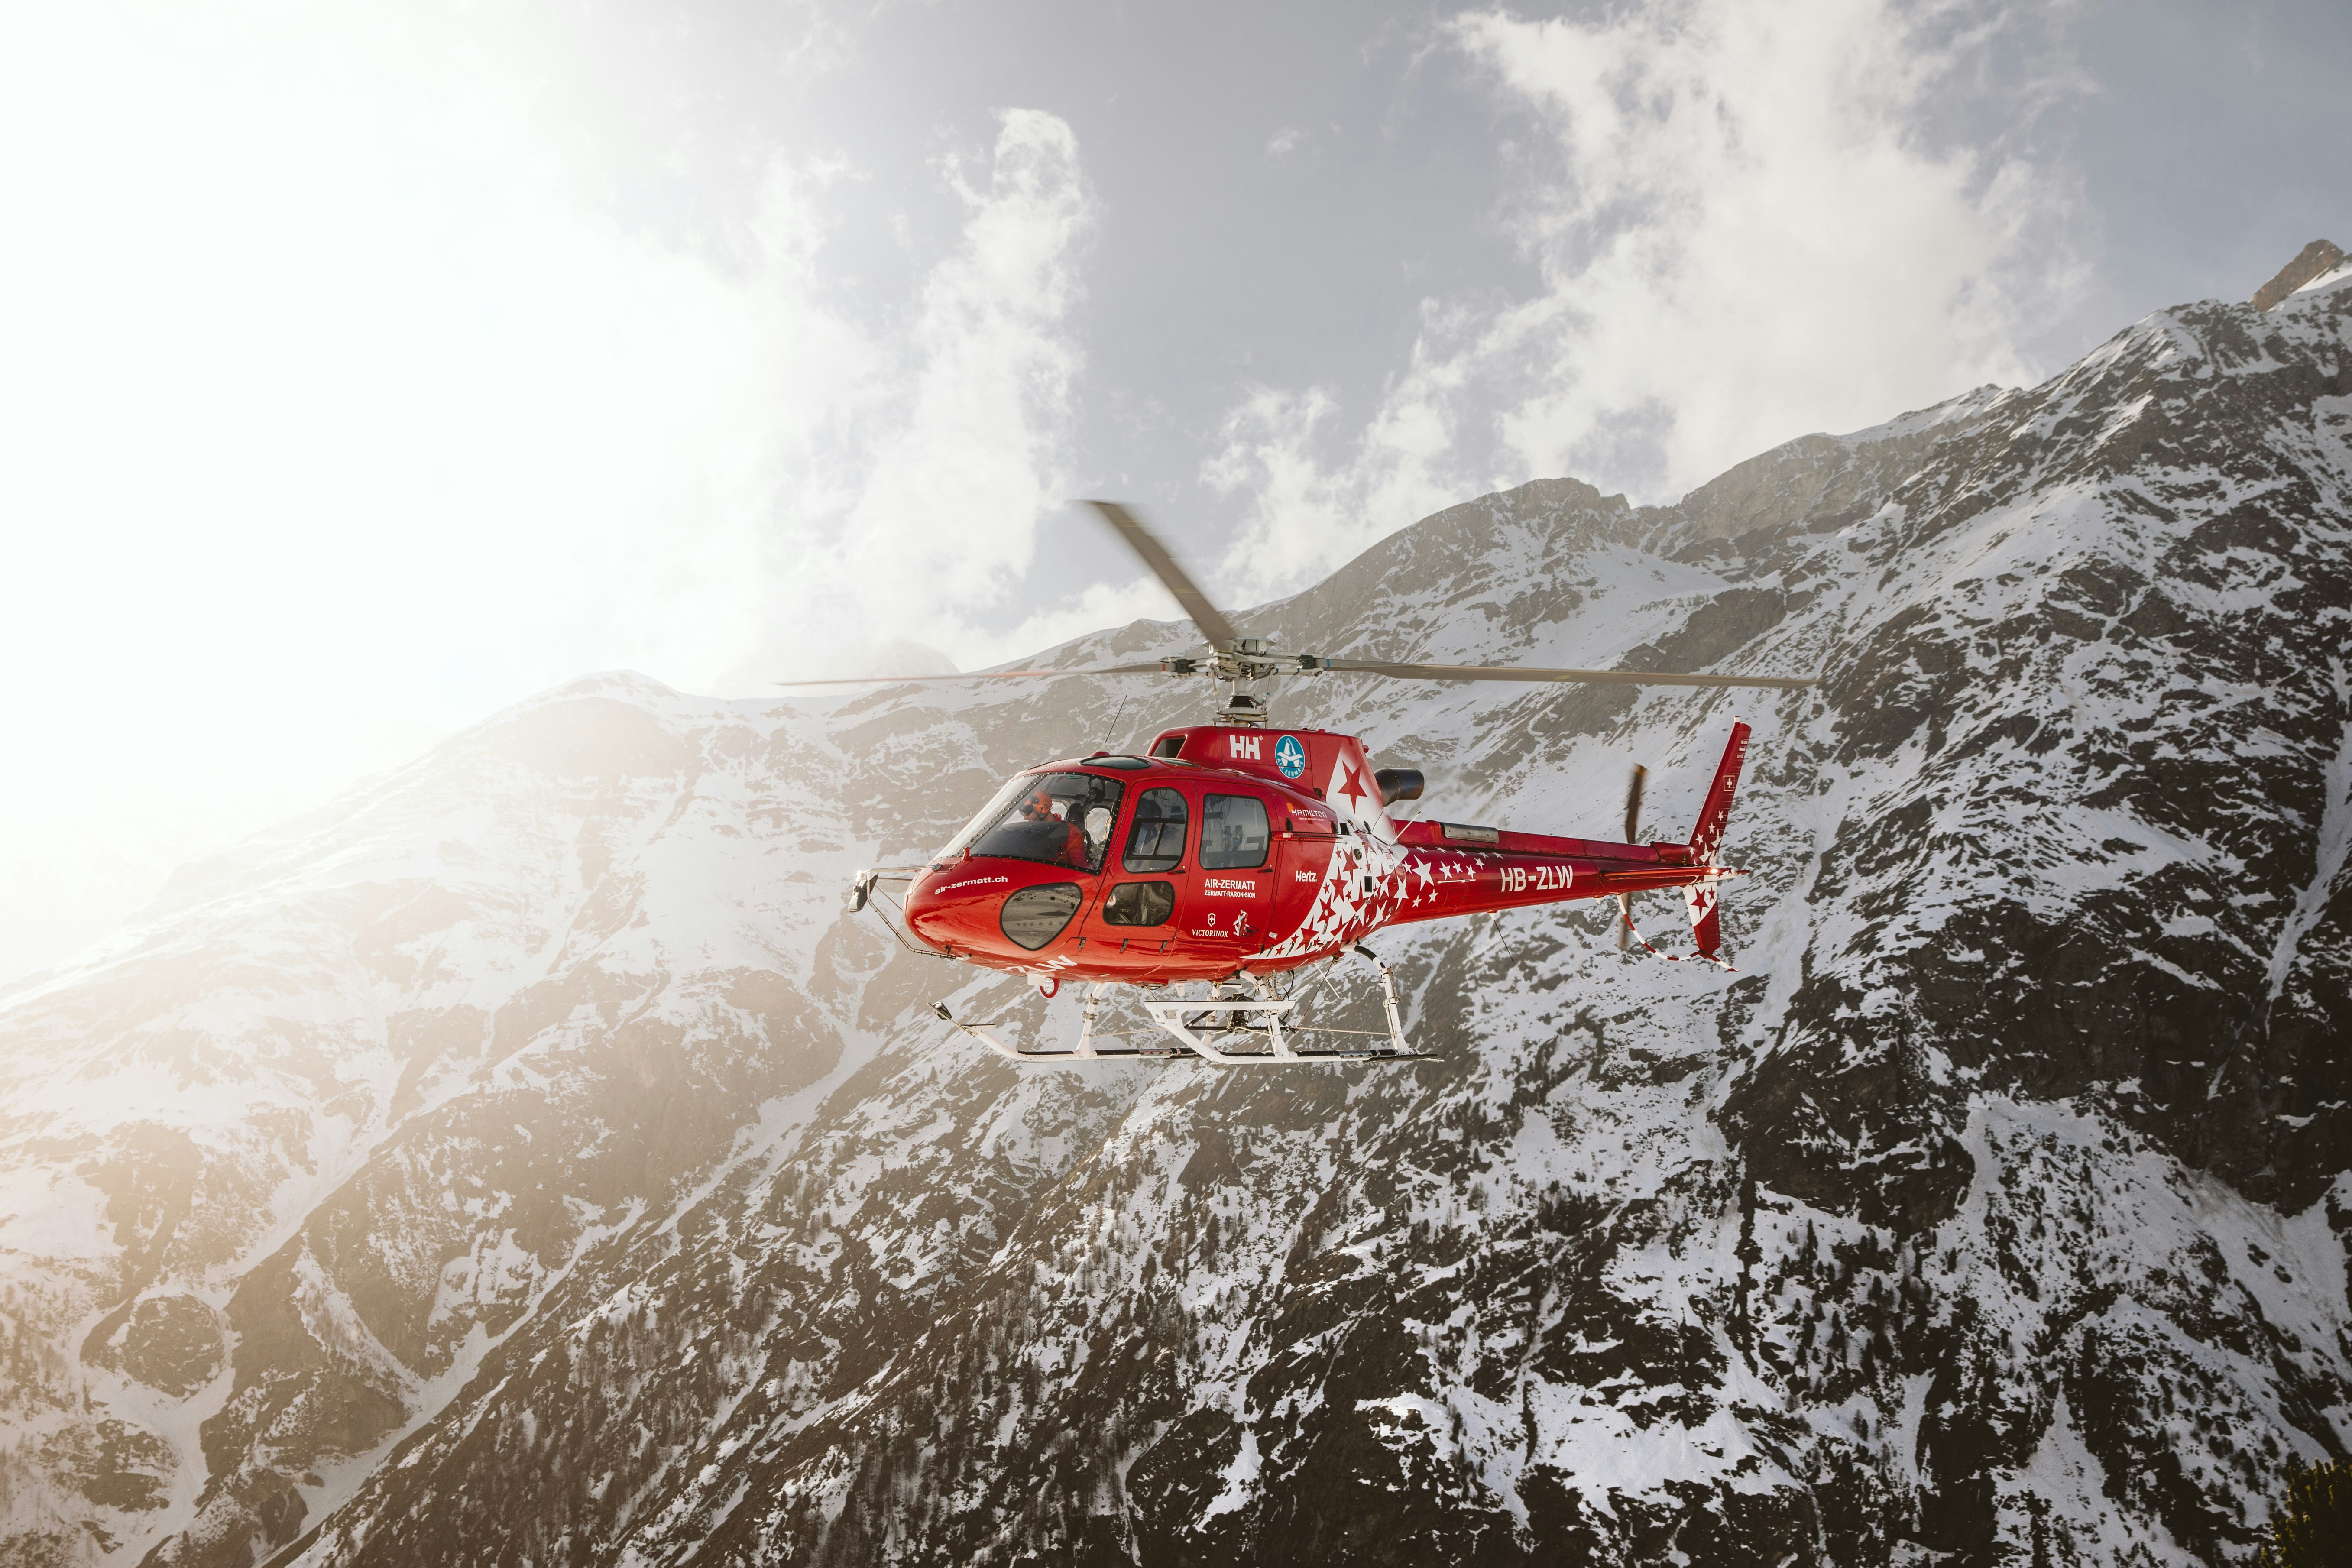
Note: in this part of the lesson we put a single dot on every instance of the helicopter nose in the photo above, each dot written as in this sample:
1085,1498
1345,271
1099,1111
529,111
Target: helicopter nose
1001,910
948,908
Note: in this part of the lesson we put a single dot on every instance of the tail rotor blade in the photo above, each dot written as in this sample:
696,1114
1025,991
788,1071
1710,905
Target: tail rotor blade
1154,554
1633,825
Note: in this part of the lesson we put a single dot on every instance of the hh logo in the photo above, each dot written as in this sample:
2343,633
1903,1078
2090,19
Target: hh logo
1242,746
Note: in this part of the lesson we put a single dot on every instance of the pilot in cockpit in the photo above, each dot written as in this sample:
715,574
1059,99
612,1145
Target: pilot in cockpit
1046,812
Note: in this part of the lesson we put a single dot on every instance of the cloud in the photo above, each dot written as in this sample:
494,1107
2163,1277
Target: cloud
922,504
981,455
1745,229
340,414
374,412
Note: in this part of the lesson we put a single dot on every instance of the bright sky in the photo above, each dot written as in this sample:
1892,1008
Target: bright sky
365,368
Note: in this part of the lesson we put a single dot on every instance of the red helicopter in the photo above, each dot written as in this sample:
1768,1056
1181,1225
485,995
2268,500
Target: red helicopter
1250,859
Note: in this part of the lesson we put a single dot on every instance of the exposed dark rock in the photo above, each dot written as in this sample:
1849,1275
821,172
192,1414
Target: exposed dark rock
168,1343
2313,260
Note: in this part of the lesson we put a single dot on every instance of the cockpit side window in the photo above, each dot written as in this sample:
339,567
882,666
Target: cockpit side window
1156,842
1061,819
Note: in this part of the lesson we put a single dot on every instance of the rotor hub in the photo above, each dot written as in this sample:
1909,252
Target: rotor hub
1244,661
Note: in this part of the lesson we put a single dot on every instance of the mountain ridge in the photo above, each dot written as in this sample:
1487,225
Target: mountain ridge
574,1180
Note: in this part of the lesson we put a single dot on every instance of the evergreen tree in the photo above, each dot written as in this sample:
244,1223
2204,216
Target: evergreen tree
2314,1529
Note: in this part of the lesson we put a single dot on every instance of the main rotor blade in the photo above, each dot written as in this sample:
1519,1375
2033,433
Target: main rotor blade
1634,801
978,675
1205,616
1596,677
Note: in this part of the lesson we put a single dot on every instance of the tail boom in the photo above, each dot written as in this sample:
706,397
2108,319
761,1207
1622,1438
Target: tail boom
1522,869
1452,869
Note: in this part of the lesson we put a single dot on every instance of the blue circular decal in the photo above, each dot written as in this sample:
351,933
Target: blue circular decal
1290,757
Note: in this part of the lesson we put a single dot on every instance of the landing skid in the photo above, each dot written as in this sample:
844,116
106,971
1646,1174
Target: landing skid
1228,1030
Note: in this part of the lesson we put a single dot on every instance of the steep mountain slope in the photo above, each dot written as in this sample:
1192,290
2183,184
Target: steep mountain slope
530,1160
350,1100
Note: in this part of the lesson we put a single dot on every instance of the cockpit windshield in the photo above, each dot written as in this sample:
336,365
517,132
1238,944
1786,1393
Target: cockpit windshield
1062,820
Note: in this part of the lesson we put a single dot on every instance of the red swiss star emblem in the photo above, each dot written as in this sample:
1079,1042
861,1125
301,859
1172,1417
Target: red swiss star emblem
1351,782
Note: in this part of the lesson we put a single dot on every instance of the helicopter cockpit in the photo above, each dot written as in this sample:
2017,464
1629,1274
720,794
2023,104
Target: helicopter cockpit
1056,818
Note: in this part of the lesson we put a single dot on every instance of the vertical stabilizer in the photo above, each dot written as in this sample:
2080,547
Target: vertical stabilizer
1706,839
1706,844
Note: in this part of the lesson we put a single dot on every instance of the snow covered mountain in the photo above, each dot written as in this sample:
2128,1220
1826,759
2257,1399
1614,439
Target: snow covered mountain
528,1159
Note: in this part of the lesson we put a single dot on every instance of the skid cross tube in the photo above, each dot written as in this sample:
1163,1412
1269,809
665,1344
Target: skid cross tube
1169,1016
1194,1034
1086,1050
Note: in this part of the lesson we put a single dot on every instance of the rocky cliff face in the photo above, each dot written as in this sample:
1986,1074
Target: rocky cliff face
2313,262
530,1160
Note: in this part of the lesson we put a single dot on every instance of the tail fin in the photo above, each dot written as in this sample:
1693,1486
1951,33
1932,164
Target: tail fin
1707,843
1706,839
1353,789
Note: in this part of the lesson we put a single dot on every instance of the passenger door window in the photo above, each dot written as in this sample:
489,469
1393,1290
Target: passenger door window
1233,834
